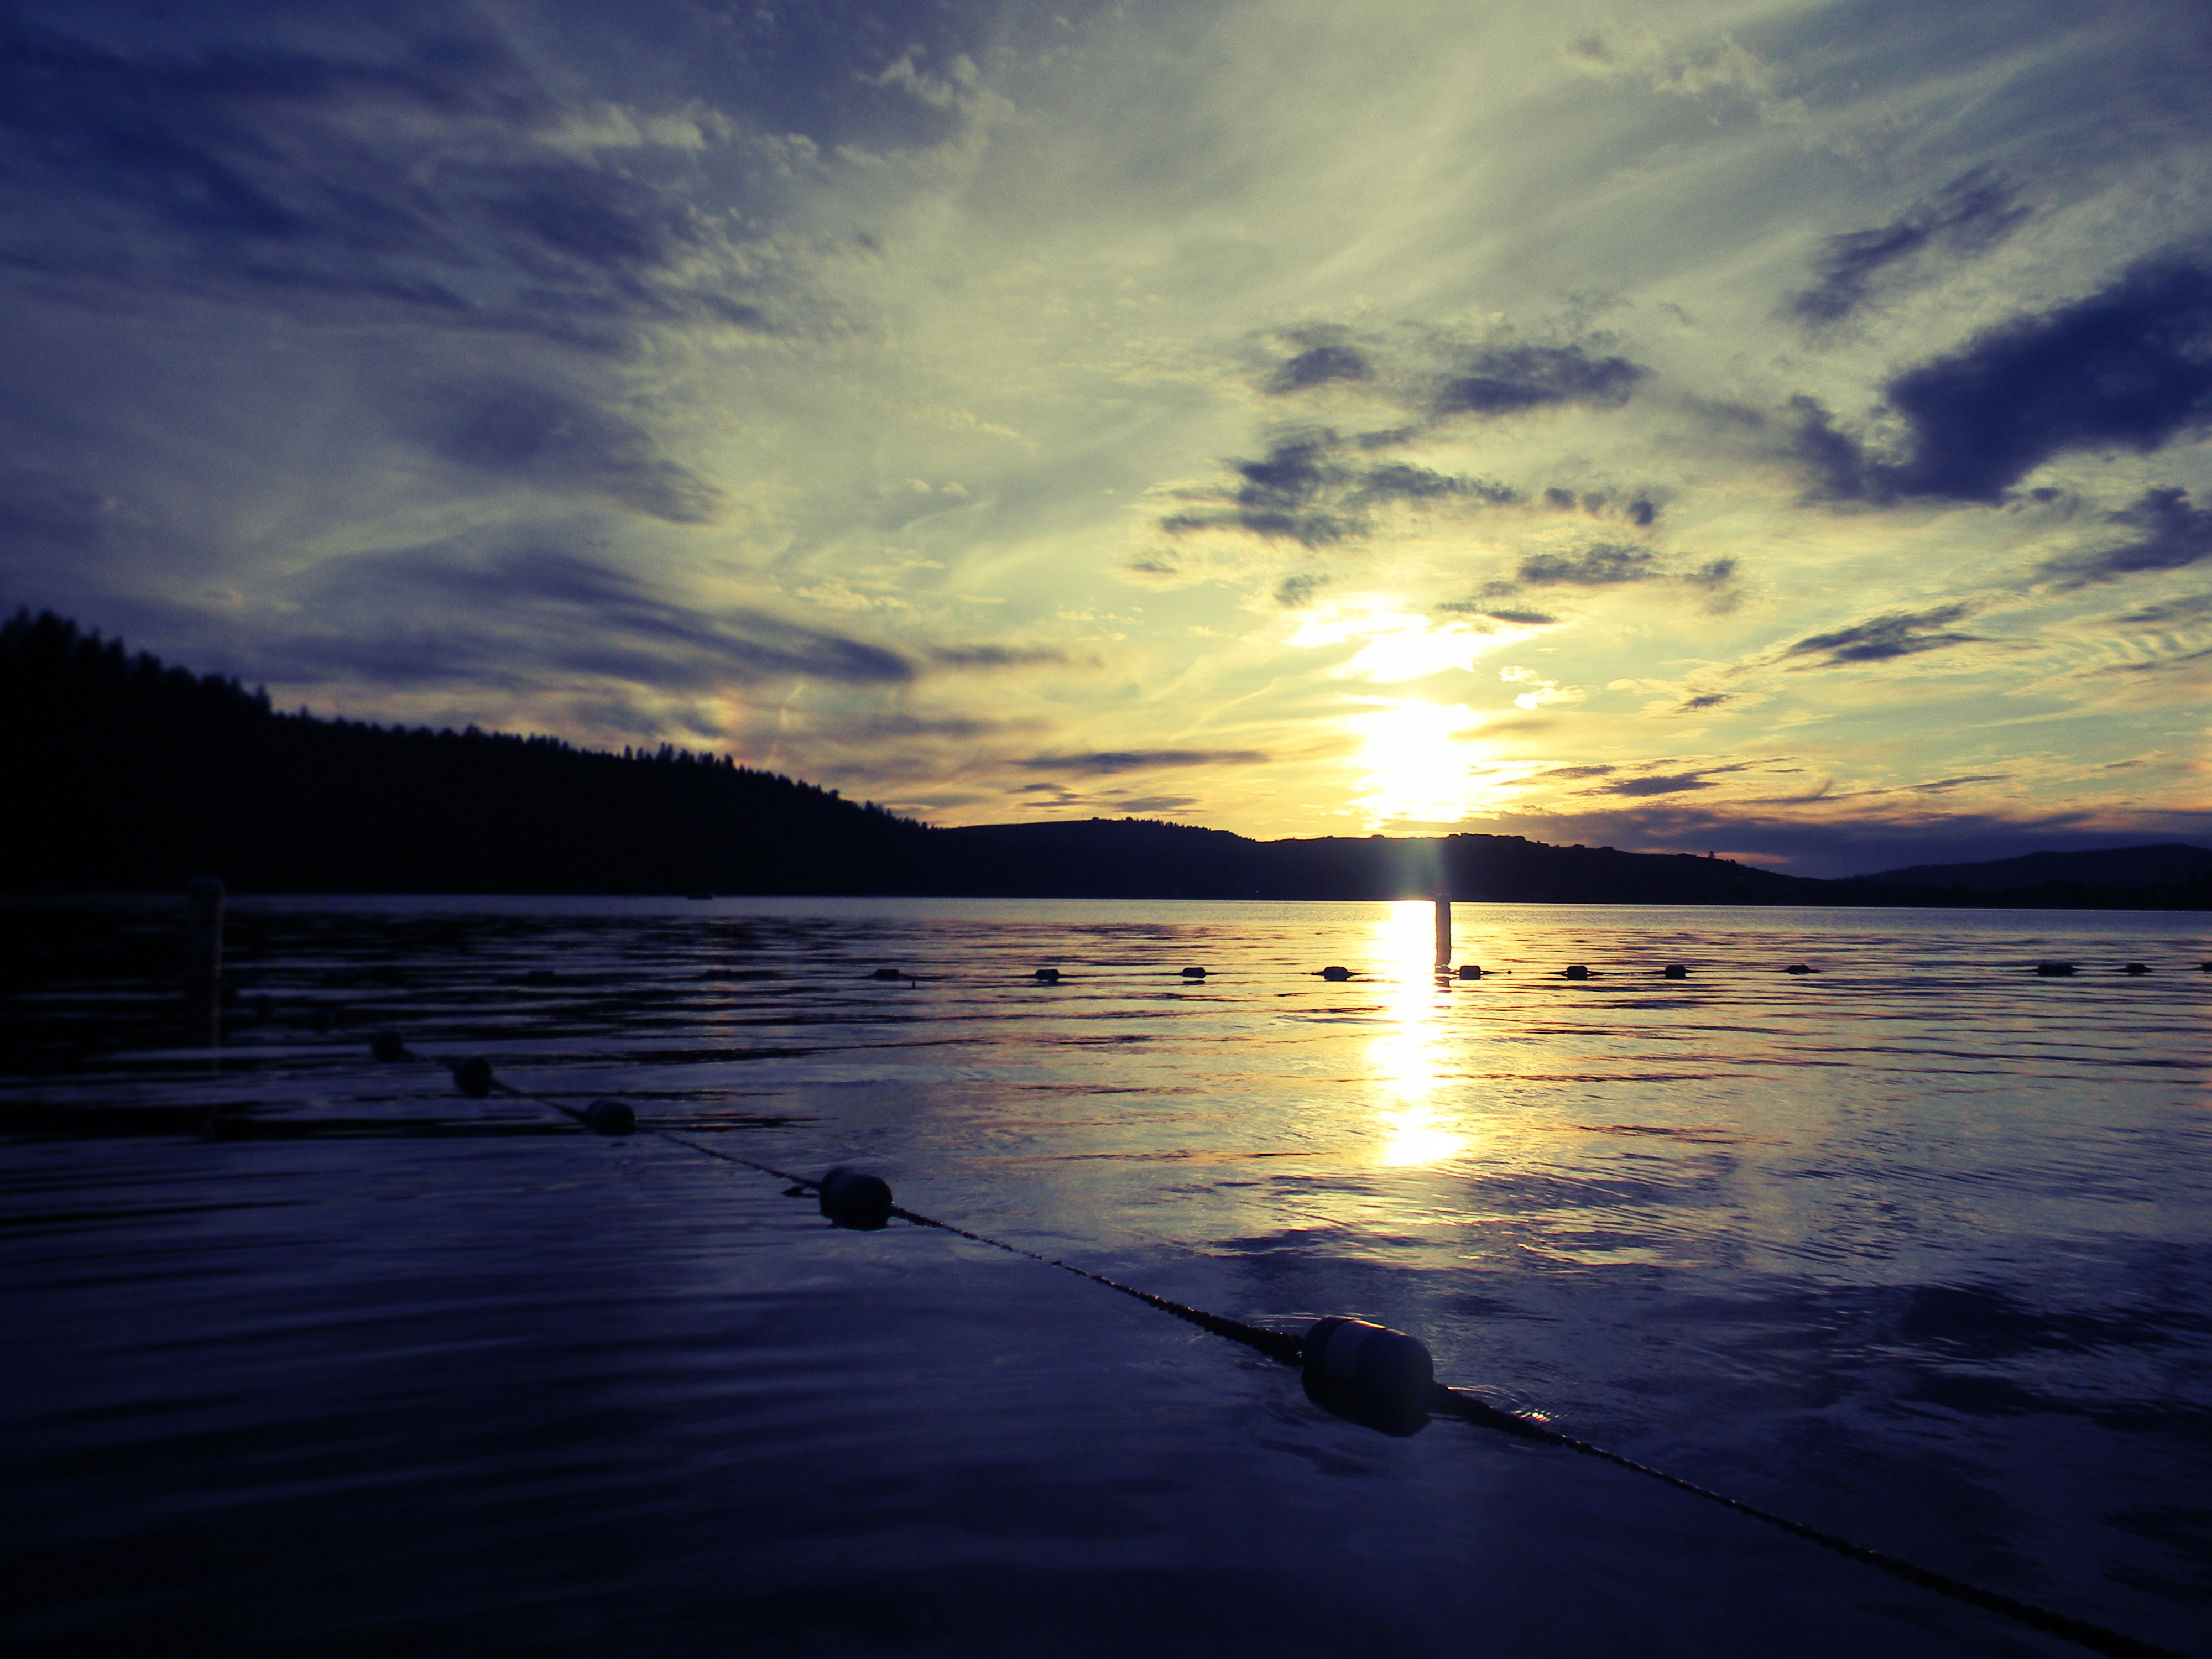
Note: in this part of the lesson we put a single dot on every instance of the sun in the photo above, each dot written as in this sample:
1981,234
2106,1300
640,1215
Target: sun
1413,761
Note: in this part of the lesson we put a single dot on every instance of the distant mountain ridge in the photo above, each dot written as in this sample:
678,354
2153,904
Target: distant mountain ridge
2169,864
127,775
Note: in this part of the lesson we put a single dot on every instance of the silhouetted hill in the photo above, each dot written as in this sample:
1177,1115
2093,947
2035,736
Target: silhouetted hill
2166,865
127,775
1103,857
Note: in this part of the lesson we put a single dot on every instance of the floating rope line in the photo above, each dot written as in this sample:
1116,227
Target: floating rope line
1423,1398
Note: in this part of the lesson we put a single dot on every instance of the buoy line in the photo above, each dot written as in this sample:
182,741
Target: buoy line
1380,1378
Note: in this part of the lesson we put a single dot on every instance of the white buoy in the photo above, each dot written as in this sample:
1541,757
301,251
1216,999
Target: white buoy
1443,930
1368,1373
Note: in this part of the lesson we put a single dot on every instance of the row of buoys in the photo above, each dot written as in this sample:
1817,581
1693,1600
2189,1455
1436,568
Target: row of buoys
848,1197
1363,1372
1337,973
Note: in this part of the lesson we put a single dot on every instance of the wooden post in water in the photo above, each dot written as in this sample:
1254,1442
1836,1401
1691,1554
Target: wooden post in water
1443,930
203,962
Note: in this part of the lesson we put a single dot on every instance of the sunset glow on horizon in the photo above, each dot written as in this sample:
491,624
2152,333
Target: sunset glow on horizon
1780,426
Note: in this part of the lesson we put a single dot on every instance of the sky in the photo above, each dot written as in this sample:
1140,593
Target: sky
1777,429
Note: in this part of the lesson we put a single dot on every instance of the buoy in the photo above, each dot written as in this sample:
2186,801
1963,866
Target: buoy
2055,969
472,1077
1469,970
1577,971
2135,968
887,973
1336,973
1047,975
1796,968
854,1198
541,976
1368,1374
387,1046
610,1117
1673,970
1194,973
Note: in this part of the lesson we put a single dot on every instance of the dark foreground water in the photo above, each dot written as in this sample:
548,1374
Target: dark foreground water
311,1355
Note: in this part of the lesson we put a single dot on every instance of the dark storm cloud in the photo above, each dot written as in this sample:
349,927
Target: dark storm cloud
1967,217
551,440
1701,701
1103,763
2127,368
2171,534
1879,639
442,613
1508,379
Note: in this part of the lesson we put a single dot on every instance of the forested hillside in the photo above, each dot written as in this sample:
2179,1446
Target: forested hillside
128,776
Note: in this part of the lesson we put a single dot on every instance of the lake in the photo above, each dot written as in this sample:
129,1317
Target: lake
313,1354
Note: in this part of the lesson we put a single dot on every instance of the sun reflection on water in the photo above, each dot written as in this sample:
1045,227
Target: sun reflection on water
1407,1061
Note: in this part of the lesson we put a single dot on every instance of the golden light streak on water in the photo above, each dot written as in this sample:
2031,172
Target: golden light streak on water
1406,1059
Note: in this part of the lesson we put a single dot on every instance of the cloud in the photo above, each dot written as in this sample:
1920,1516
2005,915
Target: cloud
443,612
1879,639
1612,564
1661,784
1318,365
2128,368
1525,618
994,656
1647,780
1496,380
2182,610
1103,762
1968,217
1305,490
2172,535
552,441
1601,565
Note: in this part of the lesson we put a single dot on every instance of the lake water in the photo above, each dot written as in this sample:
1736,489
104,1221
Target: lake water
311,1354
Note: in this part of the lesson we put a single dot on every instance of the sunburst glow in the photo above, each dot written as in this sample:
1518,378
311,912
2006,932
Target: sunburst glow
1413,767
